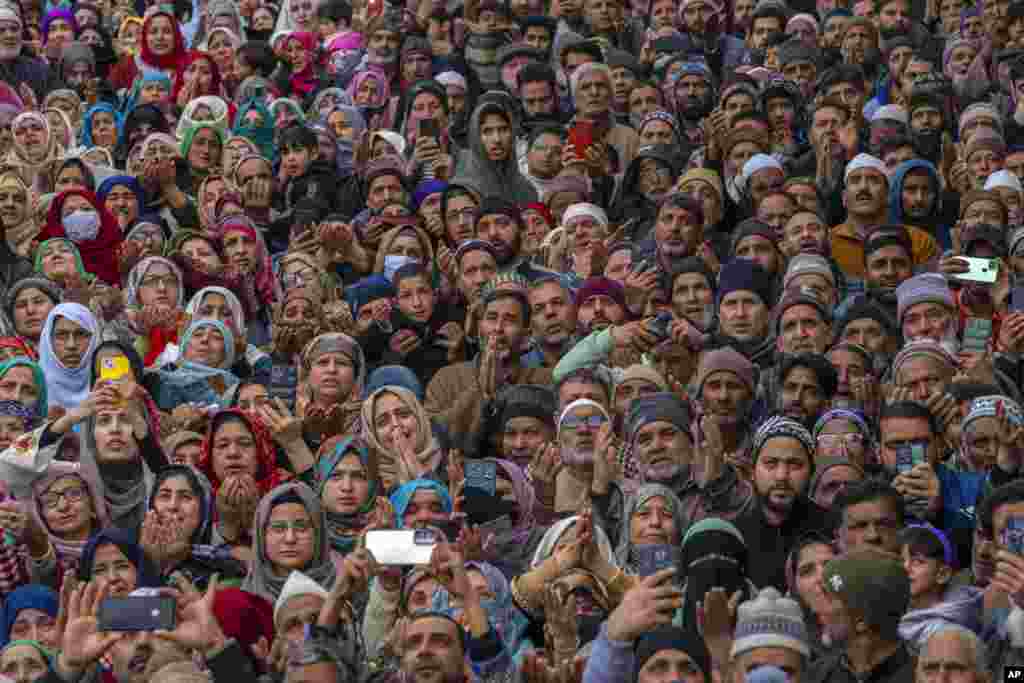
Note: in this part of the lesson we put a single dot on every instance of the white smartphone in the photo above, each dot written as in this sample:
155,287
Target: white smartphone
984,270
402,546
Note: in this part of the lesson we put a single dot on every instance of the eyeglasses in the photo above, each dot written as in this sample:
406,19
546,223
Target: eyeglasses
301,527
832,440
574,422
52,499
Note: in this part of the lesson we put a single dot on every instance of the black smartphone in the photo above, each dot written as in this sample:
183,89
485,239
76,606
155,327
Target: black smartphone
1013,535
481,476
140,613
652,558
428,128
1017,300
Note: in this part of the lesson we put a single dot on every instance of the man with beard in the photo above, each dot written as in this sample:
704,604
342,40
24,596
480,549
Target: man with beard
869,593
807,383
744,314
601,304
693,293
435,646
975,300
17,68
539,33
553,315
926,310
694,97
927,115
626,74
914,194
646,182
769,18
888,263
544,148
525,421
779,512
538,90
500,223
475,264
814,275
678,231
705,29
457,393
866,200
725,386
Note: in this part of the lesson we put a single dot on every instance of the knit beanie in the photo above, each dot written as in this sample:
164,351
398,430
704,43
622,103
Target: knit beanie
660,407
926,287
862,308
673,638
745,275
746,135
645,373
792,298
751,226
781,426
873,584
770,620
726,359
984,139
887,235
802,264
601,286
976,110
918,348
469,246
988,406
972,196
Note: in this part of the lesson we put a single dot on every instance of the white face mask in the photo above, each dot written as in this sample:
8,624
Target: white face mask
393,262
81,225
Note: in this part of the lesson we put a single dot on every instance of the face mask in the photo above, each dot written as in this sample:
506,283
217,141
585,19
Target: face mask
393,263
81,225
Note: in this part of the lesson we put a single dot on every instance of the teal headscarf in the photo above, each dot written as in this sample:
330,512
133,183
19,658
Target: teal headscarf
42,403
190,134
79,265
147,76
343,529
262,135
87,140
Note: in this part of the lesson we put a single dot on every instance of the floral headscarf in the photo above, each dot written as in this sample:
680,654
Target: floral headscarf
267,474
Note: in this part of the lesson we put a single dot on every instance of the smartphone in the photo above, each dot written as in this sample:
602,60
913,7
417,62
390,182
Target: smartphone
909,456
1017,300
983,270
977,332
581,136
113,368
651,559
1013,535
140,613
481,476
401,547
428,128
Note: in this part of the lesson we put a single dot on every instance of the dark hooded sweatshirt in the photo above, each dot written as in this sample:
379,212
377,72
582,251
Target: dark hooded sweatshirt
495,178
937,222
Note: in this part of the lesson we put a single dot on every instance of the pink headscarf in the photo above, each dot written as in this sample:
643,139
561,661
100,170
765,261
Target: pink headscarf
304,81
267,289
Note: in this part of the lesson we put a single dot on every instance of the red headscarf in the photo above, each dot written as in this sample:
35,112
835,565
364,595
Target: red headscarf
173,60
99,255
305,81
266,285
19,345
190,58
244,616
267,473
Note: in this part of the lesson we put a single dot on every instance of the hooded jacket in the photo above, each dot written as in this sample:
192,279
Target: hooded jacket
933,222
631,204
495,178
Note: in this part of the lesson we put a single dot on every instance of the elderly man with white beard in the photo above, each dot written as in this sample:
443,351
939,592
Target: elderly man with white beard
16,66
658,438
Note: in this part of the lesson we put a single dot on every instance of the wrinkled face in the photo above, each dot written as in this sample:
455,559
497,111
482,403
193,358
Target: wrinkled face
31,135
594,94
802,330
295,614
923,376
983,211
553,314
677,231
19,384
927,320
761,29
644,100
234,451
10,39
332,376
661,450
160,35
67,508
433,651
207,347
805,233
744,315
982,163
578,433
385,190
290,538
775,208
654,523
176,499
697,16
725,397
949,658
781,473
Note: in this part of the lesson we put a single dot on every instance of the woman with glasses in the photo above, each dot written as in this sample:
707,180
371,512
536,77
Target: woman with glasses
291,535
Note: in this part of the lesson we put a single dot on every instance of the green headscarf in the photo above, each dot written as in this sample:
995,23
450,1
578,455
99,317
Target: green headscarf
190,134
47,655
262,136
79,266
43,402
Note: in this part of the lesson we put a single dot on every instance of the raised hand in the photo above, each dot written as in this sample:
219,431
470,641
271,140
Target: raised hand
543,470
198,628
83,642
648,605
285,427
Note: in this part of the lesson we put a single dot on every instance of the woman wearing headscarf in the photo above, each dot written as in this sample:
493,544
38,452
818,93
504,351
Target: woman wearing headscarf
30,613
653,516
140,122
67,380
59,261
422,503
202,147
181,498
247,253
162,48
255,123
300,51
155,299
168,178
222,45
348,125
113,556
59,28
128,200
370,92
398,429
34,148
199,77
34,398
349,488
18,229
714,555
91,227
73,172
12,347
102,126
286,112
331,378
512,549
29,660
201,376
207,109
290,518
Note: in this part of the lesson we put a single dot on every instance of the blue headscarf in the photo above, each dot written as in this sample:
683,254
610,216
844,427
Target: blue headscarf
189,373
147,575
31,596
42,403
394,376
128,181
343,529
87,140
400,498
427,188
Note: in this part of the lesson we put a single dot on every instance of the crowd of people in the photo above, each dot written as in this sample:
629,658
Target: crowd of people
489,341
